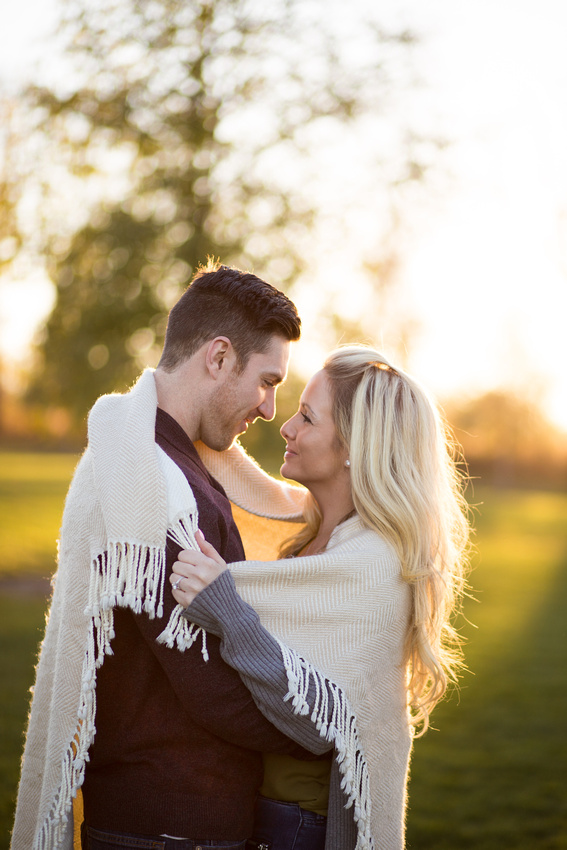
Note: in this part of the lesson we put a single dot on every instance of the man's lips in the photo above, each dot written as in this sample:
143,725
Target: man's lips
244,423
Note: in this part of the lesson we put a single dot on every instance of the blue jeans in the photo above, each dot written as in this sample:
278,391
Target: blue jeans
286,826
96,839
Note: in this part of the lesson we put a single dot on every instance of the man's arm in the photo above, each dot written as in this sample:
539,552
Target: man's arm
210,692
213,694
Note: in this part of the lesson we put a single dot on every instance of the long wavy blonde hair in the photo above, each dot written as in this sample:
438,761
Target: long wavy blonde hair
406,485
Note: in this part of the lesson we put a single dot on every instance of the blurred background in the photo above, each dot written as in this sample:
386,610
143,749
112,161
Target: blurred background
399,169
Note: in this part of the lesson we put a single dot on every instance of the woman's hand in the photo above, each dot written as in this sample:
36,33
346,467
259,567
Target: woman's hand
194,571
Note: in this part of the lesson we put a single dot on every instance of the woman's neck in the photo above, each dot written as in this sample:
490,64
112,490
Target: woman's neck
334,502
334,508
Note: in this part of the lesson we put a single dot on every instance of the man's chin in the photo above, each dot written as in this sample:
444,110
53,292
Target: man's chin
220,443
223,442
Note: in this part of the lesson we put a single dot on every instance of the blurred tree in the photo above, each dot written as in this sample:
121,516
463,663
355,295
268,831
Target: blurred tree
508,441
10,236
188,123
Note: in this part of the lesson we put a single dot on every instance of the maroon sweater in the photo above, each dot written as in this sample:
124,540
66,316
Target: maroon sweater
179,740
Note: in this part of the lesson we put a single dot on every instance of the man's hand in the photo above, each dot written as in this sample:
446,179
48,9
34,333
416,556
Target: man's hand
194,571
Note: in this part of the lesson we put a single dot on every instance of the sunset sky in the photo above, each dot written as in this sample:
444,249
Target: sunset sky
485,266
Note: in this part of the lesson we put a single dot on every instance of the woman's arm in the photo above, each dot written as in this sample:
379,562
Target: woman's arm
209,594
203,585
256,655
249,487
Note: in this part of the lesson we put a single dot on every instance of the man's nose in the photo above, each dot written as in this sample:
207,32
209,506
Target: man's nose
267,409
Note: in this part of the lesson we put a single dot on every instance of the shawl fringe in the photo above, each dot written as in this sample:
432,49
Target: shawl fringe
179,631
125,575
58,822
341,731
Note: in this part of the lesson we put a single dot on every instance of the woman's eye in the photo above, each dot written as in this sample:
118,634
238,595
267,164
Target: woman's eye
306,418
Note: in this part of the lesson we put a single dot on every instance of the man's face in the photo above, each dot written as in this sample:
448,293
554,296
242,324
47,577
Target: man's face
243,397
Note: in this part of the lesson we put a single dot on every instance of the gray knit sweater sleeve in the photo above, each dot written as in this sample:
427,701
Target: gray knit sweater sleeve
251,650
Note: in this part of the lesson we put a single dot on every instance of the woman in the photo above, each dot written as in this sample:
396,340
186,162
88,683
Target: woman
355,645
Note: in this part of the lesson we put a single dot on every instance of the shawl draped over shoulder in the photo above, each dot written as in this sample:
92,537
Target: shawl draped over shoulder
340,617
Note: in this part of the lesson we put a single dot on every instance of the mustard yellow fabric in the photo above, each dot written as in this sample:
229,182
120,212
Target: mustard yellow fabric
293,781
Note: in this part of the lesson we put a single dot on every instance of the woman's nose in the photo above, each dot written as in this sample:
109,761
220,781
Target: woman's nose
286,430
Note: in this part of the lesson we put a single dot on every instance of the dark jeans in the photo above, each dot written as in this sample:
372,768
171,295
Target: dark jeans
96,839
286,826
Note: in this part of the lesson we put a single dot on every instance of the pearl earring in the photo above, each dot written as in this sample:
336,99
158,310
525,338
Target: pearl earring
347,462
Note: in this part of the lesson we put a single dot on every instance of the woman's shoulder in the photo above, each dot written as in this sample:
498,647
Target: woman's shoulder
353,535
363,554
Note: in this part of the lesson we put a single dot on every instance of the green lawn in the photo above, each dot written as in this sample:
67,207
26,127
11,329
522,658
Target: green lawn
21,629
493,772
32,492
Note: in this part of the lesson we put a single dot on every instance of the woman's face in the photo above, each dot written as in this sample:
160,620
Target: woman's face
313,456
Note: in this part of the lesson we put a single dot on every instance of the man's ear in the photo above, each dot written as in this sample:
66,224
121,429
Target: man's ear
219,356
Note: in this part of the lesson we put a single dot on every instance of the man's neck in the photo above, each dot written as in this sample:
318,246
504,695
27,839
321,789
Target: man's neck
178,396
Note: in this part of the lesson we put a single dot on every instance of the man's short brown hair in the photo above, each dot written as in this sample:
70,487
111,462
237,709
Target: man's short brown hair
224,301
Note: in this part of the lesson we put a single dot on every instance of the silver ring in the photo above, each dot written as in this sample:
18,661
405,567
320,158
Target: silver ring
176,584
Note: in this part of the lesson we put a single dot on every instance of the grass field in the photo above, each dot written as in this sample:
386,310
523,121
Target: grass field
494,775
493,772
32,492
21,627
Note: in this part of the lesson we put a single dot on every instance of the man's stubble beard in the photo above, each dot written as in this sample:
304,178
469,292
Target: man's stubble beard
218,431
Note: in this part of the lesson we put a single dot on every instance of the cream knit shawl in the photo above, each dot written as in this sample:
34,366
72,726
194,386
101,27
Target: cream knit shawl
345,612
343,616
126,495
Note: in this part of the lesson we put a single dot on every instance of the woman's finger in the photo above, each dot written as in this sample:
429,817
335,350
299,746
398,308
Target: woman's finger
193,582
189,579
208,549
192,556
178,571
184,597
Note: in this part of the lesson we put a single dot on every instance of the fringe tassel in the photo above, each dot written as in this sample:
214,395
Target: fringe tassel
127,575
337,726
179,631
58,826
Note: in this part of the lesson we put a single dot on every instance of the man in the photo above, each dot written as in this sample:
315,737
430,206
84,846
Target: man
166,743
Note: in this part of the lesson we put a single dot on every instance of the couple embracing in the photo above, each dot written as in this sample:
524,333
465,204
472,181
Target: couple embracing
232,661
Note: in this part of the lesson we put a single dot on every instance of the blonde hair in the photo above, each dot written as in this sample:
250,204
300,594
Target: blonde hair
406,485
